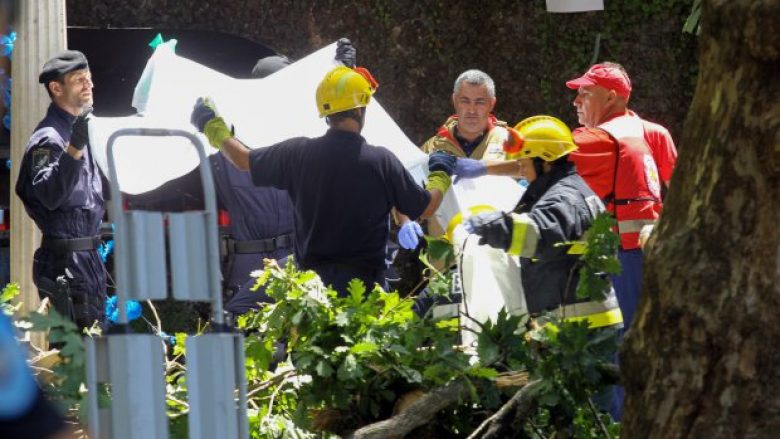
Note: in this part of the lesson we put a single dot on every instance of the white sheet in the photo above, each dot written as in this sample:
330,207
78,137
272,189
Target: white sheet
263,112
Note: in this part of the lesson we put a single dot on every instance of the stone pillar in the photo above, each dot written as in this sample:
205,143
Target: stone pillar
40,33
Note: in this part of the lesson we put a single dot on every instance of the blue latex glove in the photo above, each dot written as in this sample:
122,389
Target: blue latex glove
469,168
409,235
132,308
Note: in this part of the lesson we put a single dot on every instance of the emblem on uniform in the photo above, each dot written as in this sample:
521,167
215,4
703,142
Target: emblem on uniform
40,159
651,175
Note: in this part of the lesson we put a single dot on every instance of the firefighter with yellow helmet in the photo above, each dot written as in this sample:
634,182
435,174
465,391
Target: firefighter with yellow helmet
341,187
557,207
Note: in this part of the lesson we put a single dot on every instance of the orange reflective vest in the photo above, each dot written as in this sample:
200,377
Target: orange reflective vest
491,147
635,198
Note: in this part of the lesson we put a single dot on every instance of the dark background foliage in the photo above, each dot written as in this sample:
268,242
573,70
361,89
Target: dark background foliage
416,48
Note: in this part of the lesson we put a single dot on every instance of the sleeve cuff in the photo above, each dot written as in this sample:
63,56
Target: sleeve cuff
525,236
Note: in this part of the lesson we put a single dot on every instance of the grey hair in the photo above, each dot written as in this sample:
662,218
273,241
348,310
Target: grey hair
475,77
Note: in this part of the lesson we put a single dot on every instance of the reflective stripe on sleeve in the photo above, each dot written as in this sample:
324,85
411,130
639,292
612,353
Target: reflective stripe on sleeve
525,236
606,318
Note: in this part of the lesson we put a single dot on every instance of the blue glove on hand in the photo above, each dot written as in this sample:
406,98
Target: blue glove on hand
469,168
442,161
409,235
132,308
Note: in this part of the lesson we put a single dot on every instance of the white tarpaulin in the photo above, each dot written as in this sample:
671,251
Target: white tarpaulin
574,5
491,278
266,111
263,111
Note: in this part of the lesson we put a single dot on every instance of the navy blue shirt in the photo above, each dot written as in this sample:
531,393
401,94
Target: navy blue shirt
255,213
64,196
342,189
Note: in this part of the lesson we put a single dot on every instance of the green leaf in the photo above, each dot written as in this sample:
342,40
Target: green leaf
342,319
364,347
411,375
439,249
452,324
486,349
483,372
391,301
549,399
357,290
324,369
9,292
348,369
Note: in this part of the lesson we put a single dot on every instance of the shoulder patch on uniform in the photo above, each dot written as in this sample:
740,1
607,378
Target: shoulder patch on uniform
39,159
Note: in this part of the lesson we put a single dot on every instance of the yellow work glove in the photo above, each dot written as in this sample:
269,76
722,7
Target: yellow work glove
207,121
439,180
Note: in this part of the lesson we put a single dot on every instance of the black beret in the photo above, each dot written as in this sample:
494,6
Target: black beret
269,64
61,64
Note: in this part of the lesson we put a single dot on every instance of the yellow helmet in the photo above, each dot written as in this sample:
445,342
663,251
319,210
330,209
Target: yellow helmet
344,89
545,137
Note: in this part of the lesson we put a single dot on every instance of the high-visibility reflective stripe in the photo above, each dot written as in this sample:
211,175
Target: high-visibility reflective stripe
634,226
606,318
458,218
578,248
525,236
588,308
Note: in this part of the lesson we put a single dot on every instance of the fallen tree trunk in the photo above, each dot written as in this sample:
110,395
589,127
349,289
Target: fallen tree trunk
418,413
518,408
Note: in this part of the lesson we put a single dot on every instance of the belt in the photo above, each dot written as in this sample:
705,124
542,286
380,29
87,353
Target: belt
63,245
259,245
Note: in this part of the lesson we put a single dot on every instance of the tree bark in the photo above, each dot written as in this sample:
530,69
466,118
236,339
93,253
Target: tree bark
701,359
504,422
417,414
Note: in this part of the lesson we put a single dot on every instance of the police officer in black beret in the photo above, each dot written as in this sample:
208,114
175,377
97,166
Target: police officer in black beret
62,190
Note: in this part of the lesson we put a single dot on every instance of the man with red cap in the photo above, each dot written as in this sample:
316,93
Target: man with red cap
627,161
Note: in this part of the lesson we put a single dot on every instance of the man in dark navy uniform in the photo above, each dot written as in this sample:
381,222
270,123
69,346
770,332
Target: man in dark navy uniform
341,187
62,190
260,218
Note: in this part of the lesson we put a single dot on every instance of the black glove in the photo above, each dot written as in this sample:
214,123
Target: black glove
494,229
346,52
203,112
79,132
442,161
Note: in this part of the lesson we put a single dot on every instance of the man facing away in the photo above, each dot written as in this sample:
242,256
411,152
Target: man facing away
341,187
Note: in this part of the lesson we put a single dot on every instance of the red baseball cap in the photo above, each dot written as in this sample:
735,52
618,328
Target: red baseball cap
609,77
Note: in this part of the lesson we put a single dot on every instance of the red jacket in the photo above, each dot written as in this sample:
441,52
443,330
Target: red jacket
645,160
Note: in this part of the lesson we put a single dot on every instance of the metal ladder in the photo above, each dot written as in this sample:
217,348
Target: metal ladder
131,365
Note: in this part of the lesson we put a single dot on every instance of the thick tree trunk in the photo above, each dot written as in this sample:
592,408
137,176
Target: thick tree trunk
702,358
